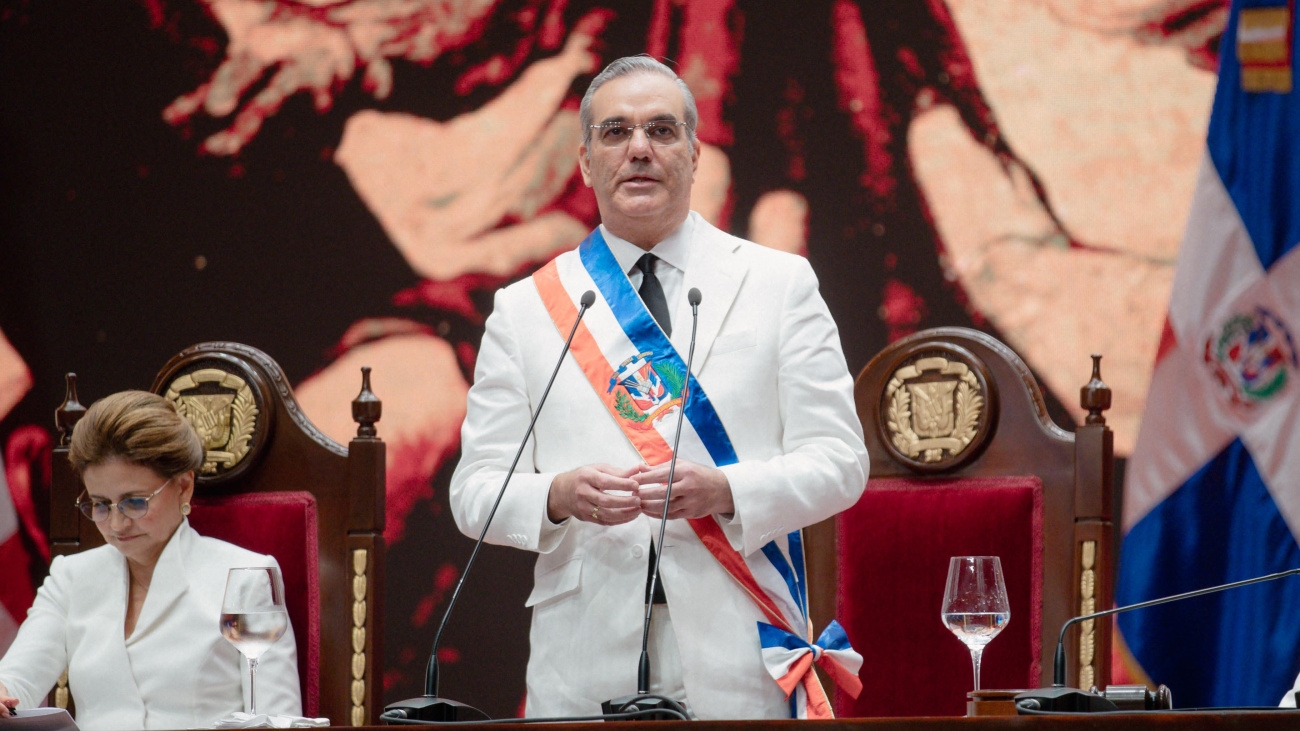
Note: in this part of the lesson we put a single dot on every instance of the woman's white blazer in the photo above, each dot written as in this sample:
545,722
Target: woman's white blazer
175,671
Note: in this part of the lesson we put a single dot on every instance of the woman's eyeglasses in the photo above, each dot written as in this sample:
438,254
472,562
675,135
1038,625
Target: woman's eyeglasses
134,507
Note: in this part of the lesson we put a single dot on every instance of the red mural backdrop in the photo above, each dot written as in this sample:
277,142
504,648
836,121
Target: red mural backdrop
346,182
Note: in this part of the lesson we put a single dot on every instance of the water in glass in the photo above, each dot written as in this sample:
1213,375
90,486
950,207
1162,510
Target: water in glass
253,616
253,632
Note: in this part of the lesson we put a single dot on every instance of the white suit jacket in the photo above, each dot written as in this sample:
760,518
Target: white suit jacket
768,356
1288,699
176,671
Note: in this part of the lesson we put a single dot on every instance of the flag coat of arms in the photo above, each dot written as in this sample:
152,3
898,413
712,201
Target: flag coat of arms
1212,493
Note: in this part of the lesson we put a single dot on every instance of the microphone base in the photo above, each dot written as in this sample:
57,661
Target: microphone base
435,710
1062,700
643,702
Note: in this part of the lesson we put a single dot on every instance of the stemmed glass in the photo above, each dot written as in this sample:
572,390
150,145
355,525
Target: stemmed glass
253,616
975,604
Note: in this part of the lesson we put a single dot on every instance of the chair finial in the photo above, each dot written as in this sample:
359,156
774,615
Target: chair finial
1095,396
70,412
366,408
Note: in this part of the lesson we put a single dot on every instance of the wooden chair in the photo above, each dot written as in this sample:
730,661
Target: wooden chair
273,483
965,461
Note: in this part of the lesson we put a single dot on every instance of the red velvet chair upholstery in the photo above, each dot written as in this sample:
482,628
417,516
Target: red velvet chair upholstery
965,461
280,524
273,483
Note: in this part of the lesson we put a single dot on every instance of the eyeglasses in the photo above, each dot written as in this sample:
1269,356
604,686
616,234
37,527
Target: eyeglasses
134,507
662,132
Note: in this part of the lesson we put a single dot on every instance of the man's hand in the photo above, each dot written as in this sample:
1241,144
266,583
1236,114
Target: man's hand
697,491
7,702
585,494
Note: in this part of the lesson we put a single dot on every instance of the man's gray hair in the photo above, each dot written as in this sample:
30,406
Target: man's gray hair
627,66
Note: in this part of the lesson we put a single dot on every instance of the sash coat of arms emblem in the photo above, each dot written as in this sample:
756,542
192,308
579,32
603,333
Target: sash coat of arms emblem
933,408
646,389
222,409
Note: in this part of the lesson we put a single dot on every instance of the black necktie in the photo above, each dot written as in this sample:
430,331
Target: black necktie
652,293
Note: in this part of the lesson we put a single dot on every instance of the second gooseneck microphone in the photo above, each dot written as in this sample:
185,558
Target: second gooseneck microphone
430,707
1060,698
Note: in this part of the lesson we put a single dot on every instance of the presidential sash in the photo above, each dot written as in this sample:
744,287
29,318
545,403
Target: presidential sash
641,379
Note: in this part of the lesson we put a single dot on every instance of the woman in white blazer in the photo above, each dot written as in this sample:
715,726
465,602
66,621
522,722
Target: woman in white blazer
136,622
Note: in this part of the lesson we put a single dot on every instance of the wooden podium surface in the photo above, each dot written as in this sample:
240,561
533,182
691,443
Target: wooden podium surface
1224,720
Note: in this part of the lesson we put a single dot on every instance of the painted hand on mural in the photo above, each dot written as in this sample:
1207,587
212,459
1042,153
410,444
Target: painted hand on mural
472,196
442,190
315,47
15,378
1055,282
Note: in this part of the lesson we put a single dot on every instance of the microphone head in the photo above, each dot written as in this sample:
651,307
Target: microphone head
589,298
693,296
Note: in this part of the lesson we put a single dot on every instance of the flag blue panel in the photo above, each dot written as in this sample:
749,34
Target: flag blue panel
1237,648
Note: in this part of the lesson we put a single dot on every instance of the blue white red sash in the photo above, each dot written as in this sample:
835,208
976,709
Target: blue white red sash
640,377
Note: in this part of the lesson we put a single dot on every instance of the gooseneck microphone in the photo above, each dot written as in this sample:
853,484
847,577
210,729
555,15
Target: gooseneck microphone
1058,666
644,700
1060,698
430,707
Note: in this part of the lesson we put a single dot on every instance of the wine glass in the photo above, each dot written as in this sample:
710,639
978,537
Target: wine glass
975,604
253,616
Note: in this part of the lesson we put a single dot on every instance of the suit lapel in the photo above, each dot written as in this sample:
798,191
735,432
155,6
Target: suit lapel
169,583
717,272
107,652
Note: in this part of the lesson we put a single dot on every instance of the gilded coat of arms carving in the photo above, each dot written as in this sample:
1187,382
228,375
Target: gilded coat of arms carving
933,408
222,409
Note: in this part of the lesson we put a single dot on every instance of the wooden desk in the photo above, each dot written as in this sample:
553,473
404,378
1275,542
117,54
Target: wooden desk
1195,721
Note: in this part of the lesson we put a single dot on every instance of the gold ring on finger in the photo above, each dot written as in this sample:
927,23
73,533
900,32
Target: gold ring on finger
594,511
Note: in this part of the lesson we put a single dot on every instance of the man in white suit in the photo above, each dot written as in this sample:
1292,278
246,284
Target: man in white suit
773,443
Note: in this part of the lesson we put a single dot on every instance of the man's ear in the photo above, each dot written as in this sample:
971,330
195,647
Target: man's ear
584,164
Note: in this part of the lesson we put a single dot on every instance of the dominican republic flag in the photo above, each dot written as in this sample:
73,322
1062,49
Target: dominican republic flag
27,447
24,549
1213,487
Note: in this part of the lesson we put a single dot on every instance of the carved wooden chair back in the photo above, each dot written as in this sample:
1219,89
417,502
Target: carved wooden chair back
966,461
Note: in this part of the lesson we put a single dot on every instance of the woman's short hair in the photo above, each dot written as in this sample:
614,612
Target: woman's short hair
139,427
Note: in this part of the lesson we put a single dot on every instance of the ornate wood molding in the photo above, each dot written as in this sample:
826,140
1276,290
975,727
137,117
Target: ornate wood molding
1087,653
359,565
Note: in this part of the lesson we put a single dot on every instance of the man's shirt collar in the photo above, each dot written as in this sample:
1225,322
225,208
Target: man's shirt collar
674,250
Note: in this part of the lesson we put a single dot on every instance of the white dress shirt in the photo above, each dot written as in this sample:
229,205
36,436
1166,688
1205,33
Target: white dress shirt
673,252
